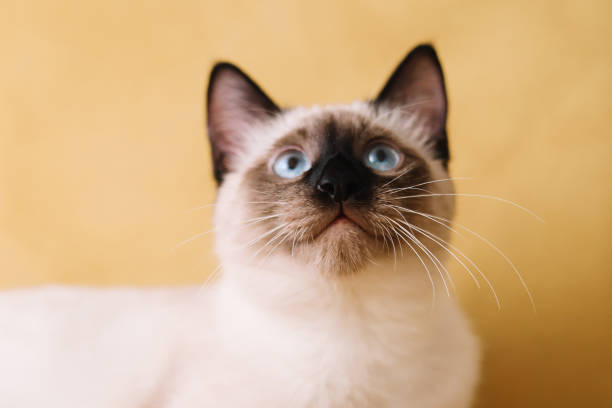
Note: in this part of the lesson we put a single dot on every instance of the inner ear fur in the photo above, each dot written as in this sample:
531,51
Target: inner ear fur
234,103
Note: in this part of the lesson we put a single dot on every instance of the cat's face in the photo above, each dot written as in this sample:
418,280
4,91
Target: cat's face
333,187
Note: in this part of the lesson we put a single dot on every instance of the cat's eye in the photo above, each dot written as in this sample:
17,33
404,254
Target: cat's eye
291,164
382,157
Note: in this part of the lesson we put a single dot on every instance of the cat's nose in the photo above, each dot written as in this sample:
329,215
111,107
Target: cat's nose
339,179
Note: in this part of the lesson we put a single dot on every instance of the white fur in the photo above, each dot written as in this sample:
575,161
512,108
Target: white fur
266,334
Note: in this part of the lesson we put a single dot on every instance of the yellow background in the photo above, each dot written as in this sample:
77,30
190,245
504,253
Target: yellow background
103,152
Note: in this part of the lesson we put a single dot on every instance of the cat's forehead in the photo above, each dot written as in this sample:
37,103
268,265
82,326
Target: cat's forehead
345,127
335,130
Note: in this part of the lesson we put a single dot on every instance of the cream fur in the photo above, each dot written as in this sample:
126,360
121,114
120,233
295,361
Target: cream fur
266,334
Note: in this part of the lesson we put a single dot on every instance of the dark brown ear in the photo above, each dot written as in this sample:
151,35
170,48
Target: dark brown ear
417,87
234,103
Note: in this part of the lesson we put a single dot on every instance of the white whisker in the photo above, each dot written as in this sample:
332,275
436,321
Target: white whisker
392,244
395,190
414,186
427,252
433,286
500,252
194,237
269,252
210,277
265,234
436,238
431,256
441,180
295,235
271,240
490,197
440,242
260,219
200,207
397,177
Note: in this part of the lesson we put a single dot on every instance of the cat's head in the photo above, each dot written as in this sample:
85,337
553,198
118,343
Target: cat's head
336,186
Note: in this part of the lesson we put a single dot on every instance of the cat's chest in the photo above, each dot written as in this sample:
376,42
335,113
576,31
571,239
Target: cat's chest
338,357
325,357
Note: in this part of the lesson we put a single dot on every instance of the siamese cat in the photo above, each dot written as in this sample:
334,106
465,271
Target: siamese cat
331,224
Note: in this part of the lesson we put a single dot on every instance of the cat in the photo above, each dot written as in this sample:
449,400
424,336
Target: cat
330,223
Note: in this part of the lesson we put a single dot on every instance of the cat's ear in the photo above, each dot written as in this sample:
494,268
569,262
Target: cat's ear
417,87
234,103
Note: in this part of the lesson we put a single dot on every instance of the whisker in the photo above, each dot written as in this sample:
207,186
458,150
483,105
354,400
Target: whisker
439,241
441,180
274,238
427,252
269,252
499,251
200,207
429,234
210,277
384,237
200,234
433,286
461,253
260,219
294,238
490,197
302,235
397,177
392,244
395,190
192,238
271,231
428,216
414,186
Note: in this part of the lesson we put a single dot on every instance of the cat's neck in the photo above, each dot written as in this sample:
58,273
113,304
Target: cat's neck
300,291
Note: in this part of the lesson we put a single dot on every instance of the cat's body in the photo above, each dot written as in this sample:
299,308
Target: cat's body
81,347
323,300
191,348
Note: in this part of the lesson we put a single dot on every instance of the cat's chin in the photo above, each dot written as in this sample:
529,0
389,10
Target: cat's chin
343,247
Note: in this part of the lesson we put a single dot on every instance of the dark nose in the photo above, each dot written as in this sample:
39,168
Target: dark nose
339,179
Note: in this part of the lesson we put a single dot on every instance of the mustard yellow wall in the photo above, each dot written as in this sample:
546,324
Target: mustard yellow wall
103,153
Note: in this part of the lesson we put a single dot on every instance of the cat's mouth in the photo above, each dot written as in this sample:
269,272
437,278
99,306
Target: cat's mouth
345,218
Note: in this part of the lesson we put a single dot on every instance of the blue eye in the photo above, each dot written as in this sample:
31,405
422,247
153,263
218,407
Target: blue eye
382,157
291,164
